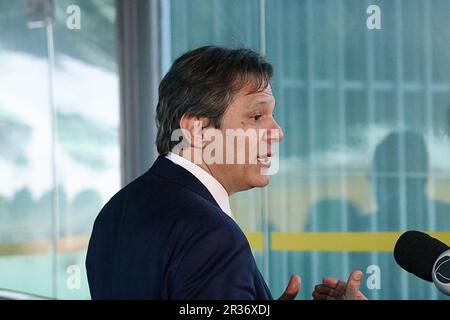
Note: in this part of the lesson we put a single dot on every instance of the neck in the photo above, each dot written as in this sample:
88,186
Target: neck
197,159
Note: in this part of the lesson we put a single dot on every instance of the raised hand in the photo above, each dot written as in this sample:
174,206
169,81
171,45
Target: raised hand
334,289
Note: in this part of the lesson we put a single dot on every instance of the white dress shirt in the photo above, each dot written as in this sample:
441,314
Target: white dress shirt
214,187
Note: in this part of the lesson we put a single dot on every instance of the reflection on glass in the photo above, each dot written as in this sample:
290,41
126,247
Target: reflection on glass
343,92
365,115
73,182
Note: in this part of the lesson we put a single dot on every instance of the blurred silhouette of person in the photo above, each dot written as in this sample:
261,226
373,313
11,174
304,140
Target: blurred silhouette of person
399,179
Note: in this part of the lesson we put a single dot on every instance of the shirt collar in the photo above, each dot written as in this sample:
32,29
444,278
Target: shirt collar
214,187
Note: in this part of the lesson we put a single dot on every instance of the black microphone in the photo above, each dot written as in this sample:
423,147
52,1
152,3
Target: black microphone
425,257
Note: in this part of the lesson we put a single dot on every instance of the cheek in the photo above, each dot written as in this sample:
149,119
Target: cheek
233,120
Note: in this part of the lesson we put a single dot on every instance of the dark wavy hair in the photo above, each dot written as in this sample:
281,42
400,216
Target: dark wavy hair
203,82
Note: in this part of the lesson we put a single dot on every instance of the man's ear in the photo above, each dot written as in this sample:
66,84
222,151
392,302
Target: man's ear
192,128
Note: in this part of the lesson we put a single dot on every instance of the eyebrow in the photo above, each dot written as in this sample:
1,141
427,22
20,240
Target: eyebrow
259,103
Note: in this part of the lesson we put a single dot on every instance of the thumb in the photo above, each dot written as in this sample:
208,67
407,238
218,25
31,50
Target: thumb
353,285
292,289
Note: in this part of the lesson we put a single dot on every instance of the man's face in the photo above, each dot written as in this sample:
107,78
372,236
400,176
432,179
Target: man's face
250,112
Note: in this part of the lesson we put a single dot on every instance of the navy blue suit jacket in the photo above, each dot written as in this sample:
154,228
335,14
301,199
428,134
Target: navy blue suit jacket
164,236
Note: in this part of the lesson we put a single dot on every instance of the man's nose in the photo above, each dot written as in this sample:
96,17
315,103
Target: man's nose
275,133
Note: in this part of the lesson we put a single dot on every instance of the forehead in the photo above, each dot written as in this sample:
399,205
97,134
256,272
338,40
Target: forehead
250,96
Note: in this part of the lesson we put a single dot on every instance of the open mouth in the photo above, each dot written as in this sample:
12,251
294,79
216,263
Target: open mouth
264,160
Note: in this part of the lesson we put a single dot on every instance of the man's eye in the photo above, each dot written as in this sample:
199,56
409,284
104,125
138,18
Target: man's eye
257,117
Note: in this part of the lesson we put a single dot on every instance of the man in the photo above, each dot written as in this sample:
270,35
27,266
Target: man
170,233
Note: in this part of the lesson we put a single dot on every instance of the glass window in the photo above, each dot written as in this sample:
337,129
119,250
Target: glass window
365,114
59,123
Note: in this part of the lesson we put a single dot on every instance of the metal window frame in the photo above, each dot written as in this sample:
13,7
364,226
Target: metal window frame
140,68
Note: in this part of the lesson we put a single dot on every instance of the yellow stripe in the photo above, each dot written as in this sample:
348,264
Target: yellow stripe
280,241
333,241
256,240
66,244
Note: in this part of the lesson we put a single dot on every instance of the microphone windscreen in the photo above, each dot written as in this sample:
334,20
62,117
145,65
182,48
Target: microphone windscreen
416,252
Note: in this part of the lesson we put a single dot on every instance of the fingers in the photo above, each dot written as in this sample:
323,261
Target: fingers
361,296
292,289
330,289
325,290
335,284
353,285
334,289
331,282
318,296
320,288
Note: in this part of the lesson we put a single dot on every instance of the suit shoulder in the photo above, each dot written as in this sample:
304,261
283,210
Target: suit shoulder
203,216
155,201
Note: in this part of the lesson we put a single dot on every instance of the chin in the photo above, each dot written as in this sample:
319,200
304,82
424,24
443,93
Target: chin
261,181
